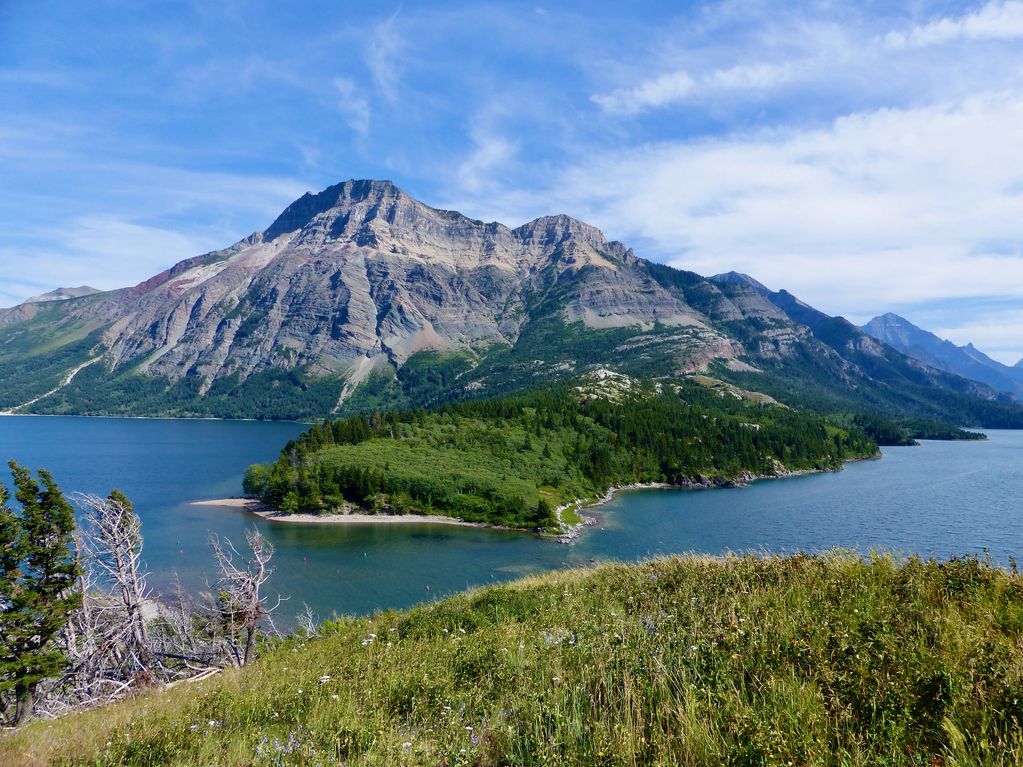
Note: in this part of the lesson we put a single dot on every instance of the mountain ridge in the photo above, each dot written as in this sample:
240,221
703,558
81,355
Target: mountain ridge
360,296
966,361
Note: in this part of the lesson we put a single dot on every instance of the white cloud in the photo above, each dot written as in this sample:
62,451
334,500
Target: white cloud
877,209
105,252
383,58
680,86
994,21
490,153
353,105
666,89
163,215
755,77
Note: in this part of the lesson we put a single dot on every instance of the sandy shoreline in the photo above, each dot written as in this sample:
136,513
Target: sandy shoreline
262,510
568,534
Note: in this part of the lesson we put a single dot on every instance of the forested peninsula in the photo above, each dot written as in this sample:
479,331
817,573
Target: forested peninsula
521,461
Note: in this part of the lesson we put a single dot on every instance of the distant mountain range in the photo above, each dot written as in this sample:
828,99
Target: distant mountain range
360,297
966,361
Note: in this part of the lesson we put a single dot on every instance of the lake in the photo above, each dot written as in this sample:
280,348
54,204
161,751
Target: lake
939,499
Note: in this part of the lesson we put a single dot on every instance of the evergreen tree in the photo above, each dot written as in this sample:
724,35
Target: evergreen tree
38,578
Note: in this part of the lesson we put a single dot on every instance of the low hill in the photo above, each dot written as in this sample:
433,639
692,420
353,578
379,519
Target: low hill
689,661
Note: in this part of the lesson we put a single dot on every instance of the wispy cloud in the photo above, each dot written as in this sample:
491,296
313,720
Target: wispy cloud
666,89
149,218
383,57
680,86
490,153
994,21
353,105
103,251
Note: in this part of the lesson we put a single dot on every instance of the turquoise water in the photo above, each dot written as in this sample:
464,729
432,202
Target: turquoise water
939,499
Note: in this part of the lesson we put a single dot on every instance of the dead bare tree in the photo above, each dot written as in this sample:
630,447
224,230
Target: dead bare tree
307,621
240,603
110,546
121,639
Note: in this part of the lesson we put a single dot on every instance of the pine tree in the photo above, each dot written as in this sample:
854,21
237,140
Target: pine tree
39,577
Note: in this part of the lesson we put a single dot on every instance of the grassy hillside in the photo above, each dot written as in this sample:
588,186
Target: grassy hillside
512,461
688,661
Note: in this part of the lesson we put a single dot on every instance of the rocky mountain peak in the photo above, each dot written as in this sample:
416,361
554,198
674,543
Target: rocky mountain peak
374,214
551,231
341,198
62,294
739,278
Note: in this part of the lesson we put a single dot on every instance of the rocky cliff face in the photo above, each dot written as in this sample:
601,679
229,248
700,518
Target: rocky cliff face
360,274
361,279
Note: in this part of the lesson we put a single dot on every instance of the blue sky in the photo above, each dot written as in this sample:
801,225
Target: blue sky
866,156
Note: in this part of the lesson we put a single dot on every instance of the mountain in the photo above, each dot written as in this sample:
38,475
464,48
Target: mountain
966,361
360,297
62,294
31,306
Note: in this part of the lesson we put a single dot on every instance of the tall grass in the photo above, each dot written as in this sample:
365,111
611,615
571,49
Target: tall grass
684,661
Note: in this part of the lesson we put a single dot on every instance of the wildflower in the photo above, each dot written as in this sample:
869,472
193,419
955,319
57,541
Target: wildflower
556,679
407,744
335,697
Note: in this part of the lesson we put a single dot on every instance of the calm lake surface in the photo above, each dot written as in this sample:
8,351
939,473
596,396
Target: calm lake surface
940,499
